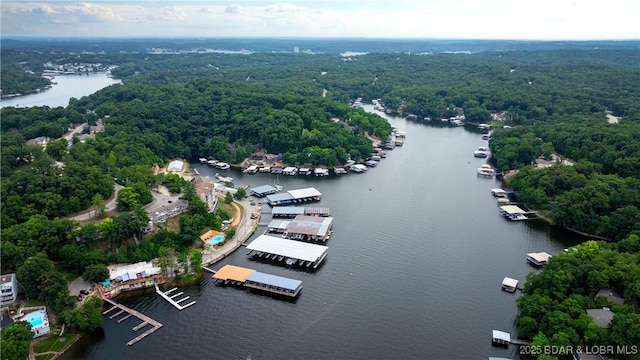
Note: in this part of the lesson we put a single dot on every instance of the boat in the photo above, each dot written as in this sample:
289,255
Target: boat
339,170
481,152
484,126
222,165
265,169
224,178
486,170
321,172
202,160
358,168
304,171
486,136
498,192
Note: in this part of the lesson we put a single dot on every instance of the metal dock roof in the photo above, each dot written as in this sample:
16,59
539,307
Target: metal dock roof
274,198
512,209
310,225
289,248
287,210
274,280
232,272
304,193
264,189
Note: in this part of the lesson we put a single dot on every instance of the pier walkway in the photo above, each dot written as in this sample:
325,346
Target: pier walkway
169,297
130,312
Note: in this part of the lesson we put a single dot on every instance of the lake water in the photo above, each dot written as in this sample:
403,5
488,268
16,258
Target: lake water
66,87
414,269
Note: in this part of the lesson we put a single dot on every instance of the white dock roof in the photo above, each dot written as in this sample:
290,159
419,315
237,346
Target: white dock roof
512,209
509,282
304,193
289,248
501,335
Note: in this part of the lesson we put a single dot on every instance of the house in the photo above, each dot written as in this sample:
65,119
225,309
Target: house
8,289
602,317
205,188
611,295
175,166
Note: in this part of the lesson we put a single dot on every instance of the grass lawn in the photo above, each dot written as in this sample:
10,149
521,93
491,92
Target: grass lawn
53,343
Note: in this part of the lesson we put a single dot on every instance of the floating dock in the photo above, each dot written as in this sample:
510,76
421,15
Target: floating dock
236,275
293,211
290,251
130,312
295,196
502,338
169,297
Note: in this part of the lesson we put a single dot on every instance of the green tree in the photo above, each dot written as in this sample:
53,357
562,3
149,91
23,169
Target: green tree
241,193
96,273
87,317
14,341
228,198
196,260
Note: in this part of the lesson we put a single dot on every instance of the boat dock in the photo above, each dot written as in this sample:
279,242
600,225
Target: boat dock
503,338
130,312
250,278
169,297
290,251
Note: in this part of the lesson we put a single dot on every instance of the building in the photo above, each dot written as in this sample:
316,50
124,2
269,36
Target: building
8,289
130,277
602,317
205,188
611,295
39,320
175,166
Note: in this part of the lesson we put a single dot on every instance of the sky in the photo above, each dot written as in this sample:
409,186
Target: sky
416,19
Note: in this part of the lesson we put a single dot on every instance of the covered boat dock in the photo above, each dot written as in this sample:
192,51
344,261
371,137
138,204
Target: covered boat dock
538,259
293,211
295,196
236,275
264,190
290,251
516,213
310,228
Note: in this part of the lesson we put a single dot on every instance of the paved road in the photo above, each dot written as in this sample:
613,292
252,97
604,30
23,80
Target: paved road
245,229
109,206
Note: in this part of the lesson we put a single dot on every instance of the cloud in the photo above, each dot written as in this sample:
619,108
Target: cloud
233,9
542,19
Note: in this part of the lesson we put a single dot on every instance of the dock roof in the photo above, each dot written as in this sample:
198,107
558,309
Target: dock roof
304,193
232,272
310,225
541,257
263,189
279,197
501,335
274,280
509,282
290,248
288,210
279,224
512,209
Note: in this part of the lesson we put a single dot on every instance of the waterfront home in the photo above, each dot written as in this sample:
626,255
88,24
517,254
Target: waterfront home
8,289
205,188
538,259
602,317
124,277
509,284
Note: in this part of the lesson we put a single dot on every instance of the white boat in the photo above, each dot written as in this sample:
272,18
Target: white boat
482,152
224,178
486,170
251,169
486,136
222,165
321,172
339,170
203,160
358,168
484,126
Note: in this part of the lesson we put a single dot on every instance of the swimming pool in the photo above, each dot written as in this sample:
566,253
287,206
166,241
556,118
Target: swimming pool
216,239
35,318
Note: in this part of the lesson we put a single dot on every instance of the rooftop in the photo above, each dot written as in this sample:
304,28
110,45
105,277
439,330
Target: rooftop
290,248
232,272
7,278
273,280
602,317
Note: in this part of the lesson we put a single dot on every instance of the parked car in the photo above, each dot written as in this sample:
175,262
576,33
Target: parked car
84,292
79,297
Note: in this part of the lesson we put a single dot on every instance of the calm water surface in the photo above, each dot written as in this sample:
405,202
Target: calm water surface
413,272
66,87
